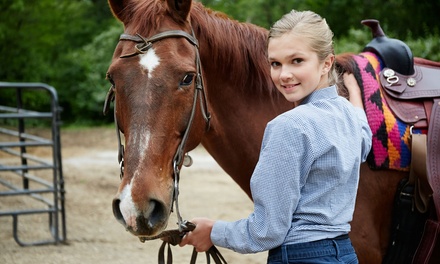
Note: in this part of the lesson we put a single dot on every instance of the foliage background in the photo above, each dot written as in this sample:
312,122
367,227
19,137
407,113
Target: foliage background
68,44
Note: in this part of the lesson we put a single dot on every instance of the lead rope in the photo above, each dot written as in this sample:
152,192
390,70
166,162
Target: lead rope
174,237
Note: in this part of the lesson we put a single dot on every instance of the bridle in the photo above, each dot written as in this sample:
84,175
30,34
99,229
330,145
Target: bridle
142,47
174,236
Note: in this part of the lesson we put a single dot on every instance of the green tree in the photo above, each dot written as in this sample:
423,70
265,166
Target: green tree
44,41
83,73
68,44
400,18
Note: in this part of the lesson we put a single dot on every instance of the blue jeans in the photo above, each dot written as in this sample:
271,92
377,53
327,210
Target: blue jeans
337,250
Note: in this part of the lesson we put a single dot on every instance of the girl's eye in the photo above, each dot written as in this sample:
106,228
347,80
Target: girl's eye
187,80
275,64
296,61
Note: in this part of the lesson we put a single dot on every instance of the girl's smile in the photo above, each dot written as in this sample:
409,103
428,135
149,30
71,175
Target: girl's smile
290,87
295,69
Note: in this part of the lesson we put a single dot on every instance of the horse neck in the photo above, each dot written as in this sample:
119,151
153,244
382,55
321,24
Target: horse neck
241,95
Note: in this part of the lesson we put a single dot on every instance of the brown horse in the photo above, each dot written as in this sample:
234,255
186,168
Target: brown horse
205,80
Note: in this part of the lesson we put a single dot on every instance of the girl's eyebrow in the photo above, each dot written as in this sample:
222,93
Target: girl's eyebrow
290,56
296,54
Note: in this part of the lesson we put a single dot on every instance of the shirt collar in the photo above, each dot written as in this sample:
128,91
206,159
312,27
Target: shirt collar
323,93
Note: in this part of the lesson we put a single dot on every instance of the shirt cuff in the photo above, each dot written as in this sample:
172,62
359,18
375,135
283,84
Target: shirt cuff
218,234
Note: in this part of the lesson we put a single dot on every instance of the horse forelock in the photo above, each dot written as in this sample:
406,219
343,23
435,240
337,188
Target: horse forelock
146,16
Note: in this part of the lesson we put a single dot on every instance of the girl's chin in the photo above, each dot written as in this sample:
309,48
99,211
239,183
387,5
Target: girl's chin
291,98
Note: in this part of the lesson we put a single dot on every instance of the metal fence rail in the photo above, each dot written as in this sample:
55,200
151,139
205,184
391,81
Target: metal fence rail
24,174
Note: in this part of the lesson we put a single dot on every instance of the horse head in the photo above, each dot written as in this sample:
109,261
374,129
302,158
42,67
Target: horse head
160,107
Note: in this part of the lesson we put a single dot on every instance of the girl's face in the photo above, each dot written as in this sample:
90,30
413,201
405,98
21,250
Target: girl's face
295,69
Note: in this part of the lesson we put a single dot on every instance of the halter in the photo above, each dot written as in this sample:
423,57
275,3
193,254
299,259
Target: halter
142,47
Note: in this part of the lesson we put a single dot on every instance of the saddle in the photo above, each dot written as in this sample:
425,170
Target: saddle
411,97
394,53
411,87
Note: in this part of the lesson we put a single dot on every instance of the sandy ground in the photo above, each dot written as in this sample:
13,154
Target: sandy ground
93,235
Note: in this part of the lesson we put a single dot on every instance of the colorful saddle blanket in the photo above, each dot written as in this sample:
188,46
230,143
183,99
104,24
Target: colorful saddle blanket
390,148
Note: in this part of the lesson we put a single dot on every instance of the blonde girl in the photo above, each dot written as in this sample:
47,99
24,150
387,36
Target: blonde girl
305,182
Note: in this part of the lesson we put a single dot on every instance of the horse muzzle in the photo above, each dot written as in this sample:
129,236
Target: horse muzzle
148,221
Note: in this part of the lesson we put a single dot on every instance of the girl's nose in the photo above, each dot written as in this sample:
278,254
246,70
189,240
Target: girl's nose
286,74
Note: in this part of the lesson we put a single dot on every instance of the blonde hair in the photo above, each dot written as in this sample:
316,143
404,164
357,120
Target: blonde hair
313,28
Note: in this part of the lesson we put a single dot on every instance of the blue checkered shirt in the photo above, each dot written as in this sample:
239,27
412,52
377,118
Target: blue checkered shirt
305,182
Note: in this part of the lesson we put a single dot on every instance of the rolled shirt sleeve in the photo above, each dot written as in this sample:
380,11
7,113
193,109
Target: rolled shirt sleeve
279,167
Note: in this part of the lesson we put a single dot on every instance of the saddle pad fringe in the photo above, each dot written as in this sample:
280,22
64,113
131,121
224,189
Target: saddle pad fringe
390,148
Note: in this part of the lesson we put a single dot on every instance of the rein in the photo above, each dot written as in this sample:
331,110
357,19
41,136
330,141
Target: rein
174,236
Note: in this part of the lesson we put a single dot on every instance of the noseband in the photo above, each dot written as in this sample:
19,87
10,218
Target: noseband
142,47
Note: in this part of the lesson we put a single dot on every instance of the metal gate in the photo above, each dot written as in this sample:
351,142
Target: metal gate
31,177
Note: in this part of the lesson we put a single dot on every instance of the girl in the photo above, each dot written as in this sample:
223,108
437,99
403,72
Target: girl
305,183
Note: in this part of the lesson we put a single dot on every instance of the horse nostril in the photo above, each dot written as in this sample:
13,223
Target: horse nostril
117,211
157,212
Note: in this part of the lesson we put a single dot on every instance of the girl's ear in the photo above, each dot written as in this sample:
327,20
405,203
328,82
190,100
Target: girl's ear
328,62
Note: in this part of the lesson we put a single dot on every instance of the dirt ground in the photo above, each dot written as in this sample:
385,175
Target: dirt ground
89,160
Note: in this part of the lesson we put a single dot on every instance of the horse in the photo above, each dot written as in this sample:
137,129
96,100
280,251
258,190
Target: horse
184,75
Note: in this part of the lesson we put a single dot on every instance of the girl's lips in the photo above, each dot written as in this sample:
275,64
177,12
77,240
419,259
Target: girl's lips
289,86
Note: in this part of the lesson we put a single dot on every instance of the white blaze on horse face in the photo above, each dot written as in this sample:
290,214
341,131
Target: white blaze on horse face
127,207
149,61
140,142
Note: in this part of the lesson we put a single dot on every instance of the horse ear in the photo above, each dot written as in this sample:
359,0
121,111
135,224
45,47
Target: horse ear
118,8
179,9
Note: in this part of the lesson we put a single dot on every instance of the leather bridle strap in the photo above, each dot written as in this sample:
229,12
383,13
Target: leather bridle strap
142,47
110,97
172,237
145,44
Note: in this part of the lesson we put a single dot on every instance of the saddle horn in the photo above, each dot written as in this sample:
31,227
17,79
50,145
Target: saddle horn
393,52
375,27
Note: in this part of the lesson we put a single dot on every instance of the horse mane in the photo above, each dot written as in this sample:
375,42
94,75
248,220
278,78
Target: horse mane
344,63
228,41
235,43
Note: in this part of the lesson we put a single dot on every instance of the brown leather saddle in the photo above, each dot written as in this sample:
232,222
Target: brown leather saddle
411,87
411,97
393,52
415,100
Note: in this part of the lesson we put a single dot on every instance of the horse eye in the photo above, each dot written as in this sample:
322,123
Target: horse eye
187,80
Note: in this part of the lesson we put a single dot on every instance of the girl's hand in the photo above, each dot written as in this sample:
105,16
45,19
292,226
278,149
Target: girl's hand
353,89
200,237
